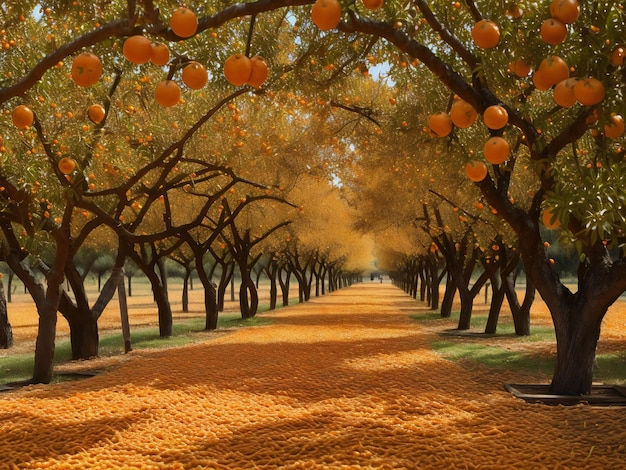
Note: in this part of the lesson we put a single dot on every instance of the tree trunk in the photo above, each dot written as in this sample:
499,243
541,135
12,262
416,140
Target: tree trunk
45,343
576,317
185,293
10,286
448,297
248,295
121,294
6,333
271,271
83,328
576,350
163,304
210,307
83,336
284,285
497,299
227,275
467,304
210,296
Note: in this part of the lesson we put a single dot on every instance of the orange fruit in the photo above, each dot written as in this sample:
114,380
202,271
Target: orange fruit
373,4
259,71
497,150
476,171
540,82
23,117
167,93
553,31
519,68
463,114
614,126
514,11
160,54
183,22
549,220
495,117
553,70
563,93
326,14
195,75
86,69
486,34
565,10
440,124
137,49
237,69
96,113
66,165
589,91
617,56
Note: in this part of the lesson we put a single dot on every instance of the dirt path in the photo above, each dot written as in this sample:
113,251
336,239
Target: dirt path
344,381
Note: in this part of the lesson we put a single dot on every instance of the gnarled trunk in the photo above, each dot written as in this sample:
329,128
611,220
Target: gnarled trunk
6,333
248,296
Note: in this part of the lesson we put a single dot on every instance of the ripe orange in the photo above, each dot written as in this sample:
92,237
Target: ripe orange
540,82
167,93
86,69
553,70
589,91
614,127
23,117
96,113
195,75
258,73
497,150
66,165
550,220
563,93
486,34
137,49
237,69
495,117
553,31
183,22
519,68
326,14
565,10
617,56
463,114
476,171
440,124
160,54
373,4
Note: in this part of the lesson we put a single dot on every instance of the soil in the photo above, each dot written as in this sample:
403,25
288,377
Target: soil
347,380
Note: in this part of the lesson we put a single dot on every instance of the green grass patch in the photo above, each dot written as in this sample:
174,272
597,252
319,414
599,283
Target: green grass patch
611,368
478,323
19,367
425,317
494,357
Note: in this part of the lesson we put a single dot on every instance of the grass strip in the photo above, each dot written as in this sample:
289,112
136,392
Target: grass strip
19,367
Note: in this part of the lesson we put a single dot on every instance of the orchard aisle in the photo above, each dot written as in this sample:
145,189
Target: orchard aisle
344,381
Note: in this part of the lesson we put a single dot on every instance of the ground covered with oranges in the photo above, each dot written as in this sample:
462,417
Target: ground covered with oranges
348,380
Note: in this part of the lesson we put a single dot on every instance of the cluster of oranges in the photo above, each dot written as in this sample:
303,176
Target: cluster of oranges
87,69
553,72
462,114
